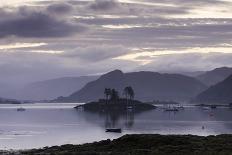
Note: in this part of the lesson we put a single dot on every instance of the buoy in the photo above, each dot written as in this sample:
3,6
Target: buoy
211,114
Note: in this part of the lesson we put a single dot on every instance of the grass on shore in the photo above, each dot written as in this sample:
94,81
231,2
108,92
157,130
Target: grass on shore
145,145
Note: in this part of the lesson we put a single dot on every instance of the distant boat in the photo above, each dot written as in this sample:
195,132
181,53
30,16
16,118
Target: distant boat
211,114
129,108
181,107
206,108
171,109
213,106
21,109
117,130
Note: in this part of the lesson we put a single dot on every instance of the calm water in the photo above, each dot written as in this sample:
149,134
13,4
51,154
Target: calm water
56,124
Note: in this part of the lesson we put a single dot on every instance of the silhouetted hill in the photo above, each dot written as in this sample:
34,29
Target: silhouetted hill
147,86
192,74
9,101
50,89
217,75
219,93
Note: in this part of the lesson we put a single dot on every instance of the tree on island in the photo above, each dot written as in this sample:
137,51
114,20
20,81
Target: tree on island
111,95
114,95
126,93
107,93
129,92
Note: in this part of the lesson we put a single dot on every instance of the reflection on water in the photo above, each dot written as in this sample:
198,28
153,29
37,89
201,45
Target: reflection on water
45,125
112,118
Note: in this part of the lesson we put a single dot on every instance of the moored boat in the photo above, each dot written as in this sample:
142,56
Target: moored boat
213,106
171,109
117,130
21,109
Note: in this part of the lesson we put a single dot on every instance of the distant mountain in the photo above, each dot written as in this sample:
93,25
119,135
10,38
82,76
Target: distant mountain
217,75
147,86
192,74
9,101
219,93
50,89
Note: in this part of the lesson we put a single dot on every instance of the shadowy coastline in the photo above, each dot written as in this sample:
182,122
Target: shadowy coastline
121,104
143,144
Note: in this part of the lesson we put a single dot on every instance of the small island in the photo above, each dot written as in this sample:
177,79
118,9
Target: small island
113,102
9,101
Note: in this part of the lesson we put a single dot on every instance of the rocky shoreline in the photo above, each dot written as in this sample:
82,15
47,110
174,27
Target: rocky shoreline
143,144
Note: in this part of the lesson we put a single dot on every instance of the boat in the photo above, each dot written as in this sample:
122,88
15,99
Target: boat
171,109
213,106
117,130
206,108
21,109
181,107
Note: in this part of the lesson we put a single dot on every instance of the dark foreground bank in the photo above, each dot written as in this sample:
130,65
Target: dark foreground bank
145,145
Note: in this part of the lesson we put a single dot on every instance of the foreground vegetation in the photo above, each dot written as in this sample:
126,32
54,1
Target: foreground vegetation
145,145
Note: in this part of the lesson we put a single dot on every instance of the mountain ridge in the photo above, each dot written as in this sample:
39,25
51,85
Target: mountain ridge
52,88
218,93
147,85
214,76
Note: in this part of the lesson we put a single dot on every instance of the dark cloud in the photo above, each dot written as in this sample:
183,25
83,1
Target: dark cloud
104,5
60,8
27,22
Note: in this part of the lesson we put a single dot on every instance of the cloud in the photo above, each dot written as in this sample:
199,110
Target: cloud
188,62
104,5
167,33
21,45
60,8
96,53
115,28
25,67
27,22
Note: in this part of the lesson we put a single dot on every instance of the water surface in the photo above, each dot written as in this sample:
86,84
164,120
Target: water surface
56,124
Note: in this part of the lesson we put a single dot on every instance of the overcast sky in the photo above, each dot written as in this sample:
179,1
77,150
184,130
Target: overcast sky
42,39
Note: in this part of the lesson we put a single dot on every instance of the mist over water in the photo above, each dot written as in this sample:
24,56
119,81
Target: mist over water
56,124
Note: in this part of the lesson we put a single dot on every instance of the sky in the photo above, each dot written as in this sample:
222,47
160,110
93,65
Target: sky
44,39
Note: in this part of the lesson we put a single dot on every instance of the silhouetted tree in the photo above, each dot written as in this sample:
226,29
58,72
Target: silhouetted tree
128,92
114,95
131,93
107,93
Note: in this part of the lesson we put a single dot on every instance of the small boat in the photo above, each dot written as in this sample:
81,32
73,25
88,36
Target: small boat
213,106
21,109
129,108
117,130
211,114
171,109
180,107
206,108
